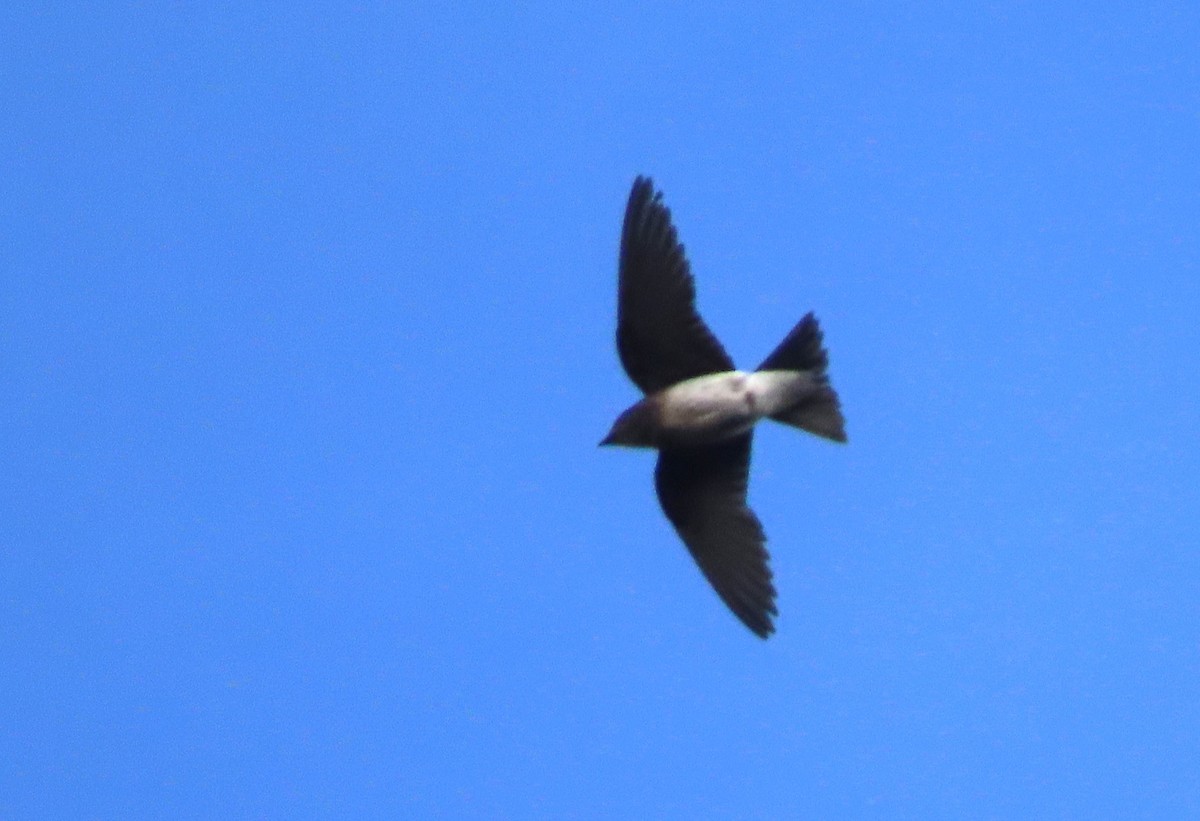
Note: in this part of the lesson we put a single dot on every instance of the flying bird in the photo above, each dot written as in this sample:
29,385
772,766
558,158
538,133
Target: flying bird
699,411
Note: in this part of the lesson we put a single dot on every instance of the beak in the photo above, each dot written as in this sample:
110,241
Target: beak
610,438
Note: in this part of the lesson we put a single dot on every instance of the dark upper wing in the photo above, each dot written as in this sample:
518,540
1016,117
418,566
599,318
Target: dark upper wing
703,492
660,337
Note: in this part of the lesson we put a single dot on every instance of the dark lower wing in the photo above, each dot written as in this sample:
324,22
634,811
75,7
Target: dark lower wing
703,492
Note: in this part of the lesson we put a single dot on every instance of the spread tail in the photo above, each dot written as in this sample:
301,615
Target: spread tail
817,409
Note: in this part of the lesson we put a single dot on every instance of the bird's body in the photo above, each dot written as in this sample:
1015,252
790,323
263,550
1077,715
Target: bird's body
709,409
699,412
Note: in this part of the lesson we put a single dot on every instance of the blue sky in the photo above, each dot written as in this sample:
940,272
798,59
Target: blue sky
307,335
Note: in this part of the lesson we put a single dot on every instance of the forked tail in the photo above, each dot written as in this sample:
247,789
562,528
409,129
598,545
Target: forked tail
817,409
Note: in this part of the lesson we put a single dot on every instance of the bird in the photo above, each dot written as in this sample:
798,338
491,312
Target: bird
699,412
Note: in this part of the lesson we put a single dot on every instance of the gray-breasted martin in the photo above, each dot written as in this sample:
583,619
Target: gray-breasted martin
699,412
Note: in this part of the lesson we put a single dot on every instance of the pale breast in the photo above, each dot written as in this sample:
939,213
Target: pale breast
708,408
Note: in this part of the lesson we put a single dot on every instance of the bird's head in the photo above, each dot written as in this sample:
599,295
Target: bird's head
637,427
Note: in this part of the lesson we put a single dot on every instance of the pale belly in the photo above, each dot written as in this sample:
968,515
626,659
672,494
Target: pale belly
722,405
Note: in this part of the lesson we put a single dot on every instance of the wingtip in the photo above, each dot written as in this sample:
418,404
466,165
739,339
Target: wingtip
760,622
763,633
641,193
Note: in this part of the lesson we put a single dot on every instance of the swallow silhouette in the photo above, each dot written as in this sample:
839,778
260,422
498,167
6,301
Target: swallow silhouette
699,411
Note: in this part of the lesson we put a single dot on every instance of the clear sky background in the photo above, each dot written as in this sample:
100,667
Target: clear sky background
307,343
